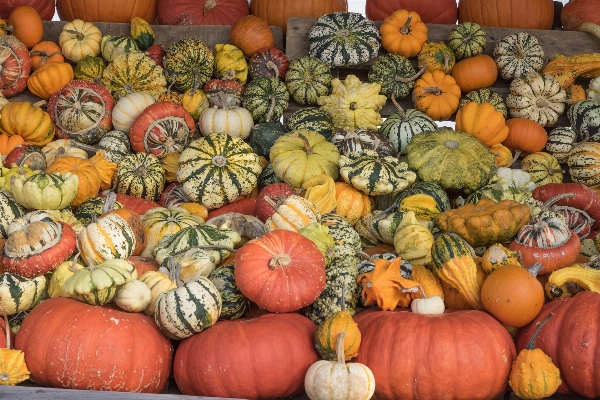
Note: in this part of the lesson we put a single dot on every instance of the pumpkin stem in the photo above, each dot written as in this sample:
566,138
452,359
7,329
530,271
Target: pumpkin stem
542,103
272,66
433,89
446,62
210,4
229,75
531,344
41,103
94,217
83,146
451,144
535,268
271,202
551,171
423,294
61,152
402,79
128,88
219,161
307,147
73,32
405,29
341,359
174,271
280,260
109,202
363,254
271,108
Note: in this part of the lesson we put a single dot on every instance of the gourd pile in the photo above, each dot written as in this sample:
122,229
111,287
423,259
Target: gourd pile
154,197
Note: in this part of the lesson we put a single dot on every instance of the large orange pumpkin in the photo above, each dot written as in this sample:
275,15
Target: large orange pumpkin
251,33
201,12
106,10
94,348
44,7
26,25
444,11
523,14
277,12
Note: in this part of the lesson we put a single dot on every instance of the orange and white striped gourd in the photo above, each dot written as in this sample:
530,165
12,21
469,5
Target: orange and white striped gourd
294,214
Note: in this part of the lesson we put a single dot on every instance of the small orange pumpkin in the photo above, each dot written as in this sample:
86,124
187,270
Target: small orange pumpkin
49,78
45,52
89,178
251,33
106,169
403,33
436,94
351,203
525,135
26,25
504,157
483,121
475,73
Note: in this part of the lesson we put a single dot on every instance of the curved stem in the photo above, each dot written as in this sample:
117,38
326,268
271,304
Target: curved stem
556,198
531,344
535,268
271,108
307,148
405,29
411,78
399,107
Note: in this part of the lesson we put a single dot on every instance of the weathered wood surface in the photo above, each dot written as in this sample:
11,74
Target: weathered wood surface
552,41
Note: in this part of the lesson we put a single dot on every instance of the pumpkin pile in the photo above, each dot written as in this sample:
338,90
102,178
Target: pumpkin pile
156,195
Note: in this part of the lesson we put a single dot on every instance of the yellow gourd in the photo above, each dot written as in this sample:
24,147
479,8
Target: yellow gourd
497,256
413,240
585,278
424,206
320,189
14,170
230,58
13,369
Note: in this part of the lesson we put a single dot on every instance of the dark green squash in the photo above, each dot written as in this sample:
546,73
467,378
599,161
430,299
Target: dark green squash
308,78
395,74
430,188
235,304
311,119
186,61
259,95
268,176
467,40
263,136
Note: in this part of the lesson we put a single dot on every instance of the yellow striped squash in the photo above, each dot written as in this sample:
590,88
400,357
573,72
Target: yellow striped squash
161,221
584,163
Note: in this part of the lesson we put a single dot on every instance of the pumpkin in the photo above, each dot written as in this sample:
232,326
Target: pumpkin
482,121
133,296
351,203
561,141
281,254
199,368
448,158
140,175
128,108
475,72
445,13
576,13
387,333
487,96
403,33
79,39
307,78
188,61
205,12
134,72
525,135
8,143
436,94
43,52
234,121
122,345
194,101
518,54
401,126
466,40
266,99
277,13
26,25
106,11
111,46
89,177
60,148
250,33
343,38
12,362
44,8
564,333
16,66
582,163
52,191
530,14
428,188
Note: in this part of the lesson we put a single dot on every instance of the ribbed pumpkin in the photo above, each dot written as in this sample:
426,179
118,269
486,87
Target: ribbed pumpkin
43,52
403,33
128,108
48,79
28,121
395,74
205,12
140,175
276,13
543,168
266,97
530,14
525,135
79,39
466,40
436,94
89,177
518,54
111,46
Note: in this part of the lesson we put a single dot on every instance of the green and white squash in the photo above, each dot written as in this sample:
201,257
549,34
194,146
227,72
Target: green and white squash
583,162
134,72
263,136
401,126
344,38
395,74
161,221
485,96
518,54
467,40
188,309
259,96
234,304
91,207
375,175
453,160
363,139
112,46
140,175
19,294
115,145
188,61
429,188
347,240
217,169
10,209
584,117
45,191
311,119
537,97
307,78
89,68
560,142
379,226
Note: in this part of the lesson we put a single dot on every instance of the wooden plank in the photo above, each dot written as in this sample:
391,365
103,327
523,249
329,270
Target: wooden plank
552,41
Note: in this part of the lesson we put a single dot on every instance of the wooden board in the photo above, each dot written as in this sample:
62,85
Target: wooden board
552,41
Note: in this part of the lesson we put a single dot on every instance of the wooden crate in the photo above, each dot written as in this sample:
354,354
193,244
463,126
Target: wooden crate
552,41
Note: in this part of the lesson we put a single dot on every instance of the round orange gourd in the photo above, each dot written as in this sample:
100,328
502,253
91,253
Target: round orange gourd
403,33
251,33
48,79
513,295
351,203
8,143
436,94
45,52
525,135
89,178
483,121
26,25
475,73
504,157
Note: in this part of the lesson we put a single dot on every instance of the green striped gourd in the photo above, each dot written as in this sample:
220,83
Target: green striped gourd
91,207
580,114
379,226
467,40
395,74
268,176
375,175
115,145
560,142
112,46
344,38
188,309
19,294
347,240
311,119
89,68
140,175
10,209
142,33
217,169
188,61
485,96
134,72
584,164
45,191
161,221
518,54
97,284
430,188
543,168
235,304
308,78
259,96
401,126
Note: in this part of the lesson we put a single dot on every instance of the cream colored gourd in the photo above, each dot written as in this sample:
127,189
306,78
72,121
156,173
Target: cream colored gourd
79,39
336,380
128,108
61,148
234,121
133,296
158,282
42,191
413,240
432,305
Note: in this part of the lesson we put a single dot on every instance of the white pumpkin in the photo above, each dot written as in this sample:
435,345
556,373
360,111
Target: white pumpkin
128,108
134,296
433,305
336,380
61,148
235,121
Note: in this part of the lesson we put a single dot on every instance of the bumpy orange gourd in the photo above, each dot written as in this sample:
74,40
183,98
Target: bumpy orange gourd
89,178
105,168
48,79
475,73
403,33
436,94
483,121
27,120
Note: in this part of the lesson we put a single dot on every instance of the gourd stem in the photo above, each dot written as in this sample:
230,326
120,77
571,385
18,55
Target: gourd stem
272,66
271,202
72,32
44,55
551,201
400,109
411,78
41,103
434,89
73,267
83,146
109,202
307,147
229,75
94,218
210,4
551,171
535,268
531,343
406,27
7,329
423,292
174,271
341,359
363,254
516,156
393,207
204,247
271,108
446,62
